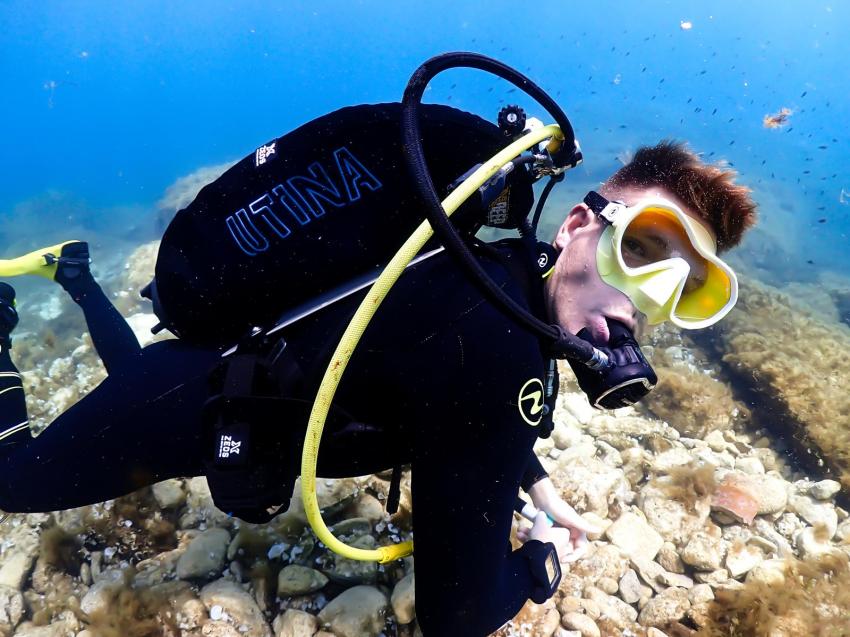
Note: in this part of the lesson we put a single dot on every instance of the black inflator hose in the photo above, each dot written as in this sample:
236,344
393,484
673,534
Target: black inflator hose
562,343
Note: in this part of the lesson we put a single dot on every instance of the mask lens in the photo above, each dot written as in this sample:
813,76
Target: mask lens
656,235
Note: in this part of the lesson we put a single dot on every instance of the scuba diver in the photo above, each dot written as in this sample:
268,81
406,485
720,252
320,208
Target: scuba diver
442,379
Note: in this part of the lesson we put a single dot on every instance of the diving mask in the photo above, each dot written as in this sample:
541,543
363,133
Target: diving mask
664,261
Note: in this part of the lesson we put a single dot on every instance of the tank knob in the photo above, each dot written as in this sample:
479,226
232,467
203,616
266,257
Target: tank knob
512,120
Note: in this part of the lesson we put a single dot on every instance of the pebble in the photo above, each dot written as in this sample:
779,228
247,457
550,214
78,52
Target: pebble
670,606
299,580
236,606
582,623
205,555
634,536
825,489
630,587
403,599
704,551
169,494
295,623
16,568
356,612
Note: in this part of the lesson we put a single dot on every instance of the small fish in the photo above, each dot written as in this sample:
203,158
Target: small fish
810,262
714,111
822,220
702,72
822,147
804,94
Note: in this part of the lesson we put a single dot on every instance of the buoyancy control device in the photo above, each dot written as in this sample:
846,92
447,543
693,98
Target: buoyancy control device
311,212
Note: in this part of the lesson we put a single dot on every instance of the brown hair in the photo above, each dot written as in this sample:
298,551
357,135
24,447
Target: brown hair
707,190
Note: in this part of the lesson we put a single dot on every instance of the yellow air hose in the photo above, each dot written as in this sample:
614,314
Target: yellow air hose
355,329
36,262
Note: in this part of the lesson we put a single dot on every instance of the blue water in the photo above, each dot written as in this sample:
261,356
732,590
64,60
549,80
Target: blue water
104,105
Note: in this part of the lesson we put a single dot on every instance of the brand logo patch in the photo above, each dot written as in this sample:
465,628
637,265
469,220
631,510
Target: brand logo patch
228,446
542,260
264,153
497,213
531,401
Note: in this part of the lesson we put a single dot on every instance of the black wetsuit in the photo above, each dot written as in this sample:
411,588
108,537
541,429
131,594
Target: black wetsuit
435,382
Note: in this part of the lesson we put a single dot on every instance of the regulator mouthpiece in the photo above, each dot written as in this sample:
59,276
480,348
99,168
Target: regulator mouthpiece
628,376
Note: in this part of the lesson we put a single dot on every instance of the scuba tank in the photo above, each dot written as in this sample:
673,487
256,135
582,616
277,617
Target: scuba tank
307,213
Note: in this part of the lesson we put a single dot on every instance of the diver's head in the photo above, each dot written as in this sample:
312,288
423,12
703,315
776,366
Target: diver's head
708,201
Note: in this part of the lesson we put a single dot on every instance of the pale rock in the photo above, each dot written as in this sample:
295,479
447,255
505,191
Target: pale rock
613,607
357,612
578,406
590,608
700,594
669,606
742,558
825,489
676,580
669,558
704,551
630,587
241,609
549,624
634,536
714,578
564,437
766,530
299,580
666,461
11,608
569,604
673,520
599,522
55,629
582,623
692,443
788,524
584,449
403,599
715,440
749,465
369,507
652,631
815,513
809,545
607,585
205,555
347,571
100,596
842,533
764,544
604,426
544,446
16,568
771,573
770,492
601,560
650,571
715,459
295,623
609,455
589,484
169,494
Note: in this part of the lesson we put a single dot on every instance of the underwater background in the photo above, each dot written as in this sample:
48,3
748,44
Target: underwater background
113,115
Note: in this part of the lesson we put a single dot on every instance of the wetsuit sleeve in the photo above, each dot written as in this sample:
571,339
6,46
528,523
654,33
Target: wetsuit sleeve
534,472
471,450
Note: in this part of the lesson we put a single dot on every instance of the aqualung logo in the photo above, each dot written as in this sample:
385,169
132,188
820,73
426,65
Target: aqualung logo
300,198
530,401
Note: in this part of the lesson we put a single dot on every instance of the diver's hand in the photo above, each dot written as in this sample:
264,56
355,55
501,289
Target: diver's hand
545,497
559,536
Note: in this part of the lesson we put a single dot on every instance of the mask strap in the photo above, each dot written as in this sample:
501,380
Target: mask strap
604,209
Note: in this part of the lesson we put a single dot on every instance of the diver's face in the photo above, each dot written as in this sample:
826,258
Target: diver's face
576,295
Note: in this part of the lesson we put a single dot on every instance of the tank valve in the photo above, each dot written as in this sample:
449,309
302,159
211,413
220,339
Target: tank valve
512,120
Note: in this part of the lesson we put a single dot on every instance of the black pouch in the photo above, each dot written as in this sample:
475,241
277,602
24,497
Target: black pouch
253,437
